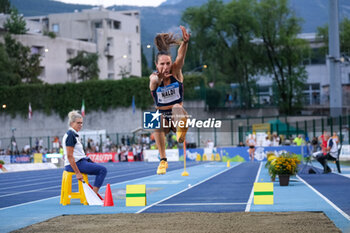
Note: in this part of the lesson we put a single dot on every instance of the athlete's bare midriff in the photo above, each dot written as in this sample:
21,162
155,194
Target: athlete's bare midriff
167,107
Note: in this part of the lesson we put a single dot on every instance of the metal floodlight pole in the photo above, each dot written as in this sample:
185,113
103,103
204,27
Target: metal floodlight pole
335,86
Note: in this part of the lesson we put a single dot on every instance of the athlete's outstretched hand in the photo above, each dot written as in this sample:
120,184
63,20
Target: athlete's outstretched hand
185,35
163,74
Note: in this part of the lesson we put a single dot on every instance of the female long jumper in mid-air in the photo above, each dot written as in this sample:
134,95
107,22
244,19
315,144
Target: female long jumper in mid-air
166,86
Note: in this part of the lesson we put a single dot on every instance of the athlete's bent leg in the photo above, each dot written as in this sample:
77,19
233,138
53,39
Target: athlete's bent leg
180,116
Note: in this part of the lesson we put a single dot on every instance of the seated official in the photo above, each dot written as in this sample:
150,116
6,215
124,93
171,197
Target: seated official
332,153
75,159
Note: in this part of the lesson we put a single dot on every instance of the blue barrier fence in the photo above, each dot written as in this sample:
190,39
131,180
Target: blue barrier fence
241,154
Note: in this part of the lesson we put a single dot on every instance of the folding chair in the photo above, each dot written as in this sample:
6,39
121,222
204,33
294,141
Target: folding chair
309,160
338,155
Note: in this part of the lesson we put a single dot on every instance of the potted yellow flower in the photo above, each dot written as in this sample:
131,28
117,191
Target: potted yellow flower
271,160
285,166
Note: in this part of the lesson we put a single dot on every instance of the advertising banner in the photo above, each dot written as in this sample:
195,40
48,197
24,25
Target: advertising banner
103,157
153,155
6,158
20,159
241,154
345,153
130,156
191,154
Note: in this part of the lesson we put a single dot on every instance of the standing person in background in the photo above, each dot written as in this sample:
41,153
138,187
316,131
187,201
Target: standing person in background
251,142
323,141
56,144
75,158
166,87
276,141
299,140
314,144
335,138
331,153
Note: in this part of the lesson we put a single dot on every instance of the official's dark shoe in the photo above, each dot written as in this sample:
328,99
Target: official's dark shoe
328,170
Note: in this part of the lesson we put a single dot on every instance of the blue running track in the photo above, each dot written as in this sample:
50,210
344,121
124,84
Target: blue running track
31,197
228,192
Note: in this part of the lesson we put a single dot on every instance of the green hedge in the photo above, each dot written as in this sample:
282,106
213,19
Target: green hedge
98,95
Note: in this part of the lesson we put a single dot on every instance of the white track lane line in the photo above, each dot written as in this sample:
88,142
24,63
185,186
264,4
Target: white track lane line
56,186
203,204
48,177
325,198
24,185
247,208
27,203
123,182
156,203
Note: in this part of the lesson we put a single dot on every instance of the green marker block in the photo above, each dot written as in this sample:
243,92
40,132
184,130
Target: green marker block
136,195
263,193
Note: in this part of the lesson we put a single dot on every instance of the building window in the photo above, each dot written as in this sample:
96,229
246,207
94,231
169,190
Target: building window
109,24
264,95
111,76
42,72
116,24
312,94
56,28
37,50
70,53
137,29
110,63
129,47
98,24
110,41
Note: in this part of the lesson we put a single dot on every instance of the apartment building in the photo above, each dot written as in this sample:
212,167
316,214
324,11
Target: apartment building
316,88
113,35
116,35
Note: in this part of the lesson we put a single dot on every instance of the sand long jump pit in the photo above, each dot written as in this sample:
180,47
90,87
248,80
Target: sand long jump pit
189,222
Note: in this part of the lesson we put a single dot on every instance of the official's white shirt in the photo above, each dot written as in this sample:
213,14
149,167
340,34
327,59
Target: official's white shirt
71,138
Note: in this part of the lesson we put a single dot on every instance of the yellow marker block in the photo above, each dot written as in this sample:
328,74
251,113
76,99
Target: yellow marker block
204,157
198,158
38,157
228,163
263,193
136,195
217,157
212,157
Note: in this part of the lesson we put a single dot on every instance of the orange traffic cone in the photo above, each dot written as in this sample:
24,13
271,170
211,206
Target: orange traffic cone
108,197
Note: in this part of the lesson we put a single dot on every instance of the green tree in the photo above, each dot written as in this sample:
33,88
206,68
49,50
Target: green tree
344,36
5,6
153,58
206,37
278,28
25,64
222,37
123,71
15,24
7,75
239,24
85,66
144,65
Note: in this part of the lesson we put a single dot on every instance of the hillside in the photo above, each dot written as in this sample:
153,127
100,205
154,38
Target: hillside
167,16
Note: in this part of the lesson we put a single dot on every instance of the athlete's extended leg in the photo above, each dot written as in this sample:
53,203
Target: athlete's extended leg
180,115
159,136
253,152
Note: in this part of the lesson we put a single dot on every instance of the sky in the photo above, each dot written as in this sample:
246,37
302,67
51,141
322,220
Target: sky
107,3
